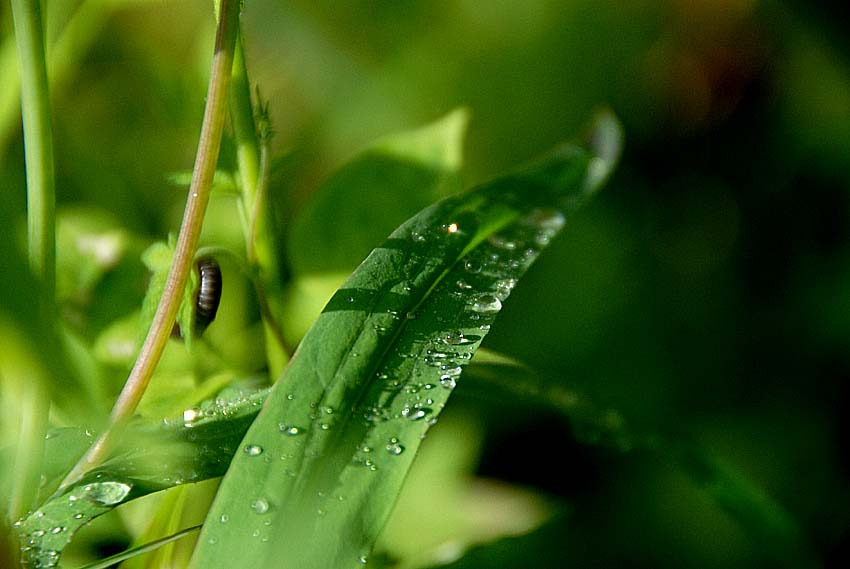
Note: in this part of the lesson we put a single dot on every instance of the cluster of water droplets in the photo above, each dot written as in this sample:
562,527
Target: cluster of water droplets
415,384
229,403
42,538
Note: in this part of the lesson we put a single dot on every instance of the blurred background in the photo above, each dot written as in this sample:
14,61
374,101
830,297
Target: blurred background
704,292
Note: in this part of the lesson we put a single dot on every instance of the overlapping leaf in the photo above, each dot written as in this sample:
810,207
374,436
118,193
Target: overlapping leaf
152,457
321,466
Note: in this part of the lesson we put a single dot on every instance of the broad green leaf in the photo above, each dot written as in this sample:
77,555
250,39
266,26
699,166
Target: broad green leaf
152,456
323,463
354,210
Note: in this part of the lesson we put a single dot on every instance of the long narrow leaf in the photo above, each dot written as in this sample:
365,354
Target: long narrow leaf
322,465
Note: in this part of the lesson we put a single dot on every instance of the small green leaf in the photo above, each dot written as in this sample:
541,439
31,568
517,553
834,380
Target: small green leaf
325,460
158,258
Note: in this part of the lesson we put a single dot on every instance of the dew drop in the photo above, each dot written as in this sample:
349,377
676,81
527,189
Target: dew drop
415,413
501,242
260,506
253,450
191,415
472,266
487,304
290,430
106,493
394,447
224,518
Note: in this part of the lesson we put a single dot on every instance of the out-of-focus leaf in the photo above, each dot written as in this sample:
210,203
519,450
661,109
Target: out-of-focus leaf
366,199
91,244
443,509
766,522
354,210
322,465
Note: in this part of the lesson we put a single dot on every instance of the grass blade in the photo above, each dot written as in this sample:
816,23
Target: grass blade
152,456
140,550
323,463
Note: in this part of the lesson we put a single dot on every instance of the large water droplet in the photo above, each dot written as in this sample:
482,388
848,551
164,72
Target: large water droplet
502,242
106,493
486,304
290,430
253,450
260,506
415,413
191,415
472,266
454,338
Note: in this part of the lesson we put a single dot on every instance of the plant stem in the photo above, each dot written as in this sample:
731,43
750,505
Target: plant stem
38,143
41,238
255,230
140,550
187,241
244,129
253,156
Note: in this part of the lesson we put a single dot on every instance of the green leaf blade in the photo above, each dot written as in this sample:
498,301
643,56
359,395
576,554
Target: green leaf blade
152,456
324,462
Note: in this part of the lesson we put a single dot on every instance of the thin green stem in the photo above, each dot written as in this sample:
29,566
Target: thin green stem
140,550
41,238
255,228
187,241
244,129
253,155
38,143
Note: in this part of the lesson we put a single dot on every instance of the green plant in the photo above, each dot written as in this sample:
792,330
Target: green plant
320,457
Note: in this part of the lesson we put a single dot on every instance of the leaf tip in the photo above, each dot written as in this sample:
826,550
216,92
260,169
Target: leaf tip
604,138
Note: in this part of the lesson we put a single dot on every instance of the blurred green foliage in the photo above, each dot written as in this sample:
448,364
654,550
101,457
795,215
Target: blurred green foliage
705,291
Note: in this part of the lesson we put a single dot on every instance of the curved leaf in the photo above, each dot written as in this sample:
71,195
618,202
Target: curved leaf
152,456
323,463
